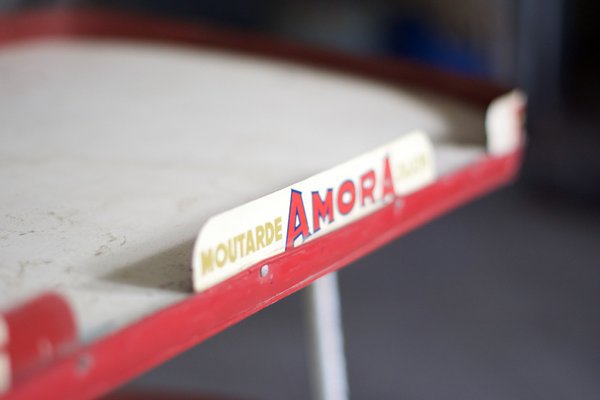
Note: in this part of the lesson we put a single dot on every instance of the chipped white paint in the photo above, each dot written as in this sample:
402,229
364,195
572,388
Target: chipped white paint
3,332
113,155
5,372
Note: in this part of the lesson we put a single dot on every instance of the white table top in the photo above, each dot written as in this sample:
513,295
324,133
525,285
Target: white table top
113,155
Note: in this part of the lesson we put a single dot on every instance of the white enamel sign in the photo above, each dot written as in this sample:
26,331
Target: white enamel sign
239,238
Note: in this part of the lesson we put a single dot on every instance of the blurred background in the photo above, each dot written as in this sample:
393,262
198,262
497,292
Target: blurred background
498,300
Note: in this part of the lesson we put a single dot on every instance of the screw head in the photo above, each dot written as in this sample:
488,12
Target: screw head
398,204
84,363
264,270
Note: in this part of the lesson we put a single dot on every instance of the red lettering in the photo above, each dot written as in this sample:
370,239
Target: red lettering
367,186
297,213
343,206
322,208
388,182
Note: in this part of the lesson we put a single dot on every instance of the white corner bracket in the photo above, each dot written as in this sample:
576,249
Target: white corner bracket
504,123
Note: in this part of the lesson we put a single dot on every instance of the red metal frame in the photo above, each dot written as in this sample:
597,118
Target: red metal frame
39,331
96,368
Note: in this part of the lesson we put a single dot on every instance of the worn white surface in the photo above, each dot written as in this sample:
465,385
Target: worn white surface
113,155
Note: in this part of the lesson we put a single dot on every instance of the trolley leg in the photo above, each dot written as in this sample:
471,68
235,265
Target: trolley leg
326,340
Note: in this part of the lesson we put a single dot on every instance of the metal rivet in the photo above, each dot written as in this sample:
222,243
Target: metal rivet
84,363
398,204
264,270
45,347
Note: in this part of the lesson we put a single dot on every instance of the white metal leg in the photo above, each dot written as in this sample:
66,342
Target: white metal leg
326,340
